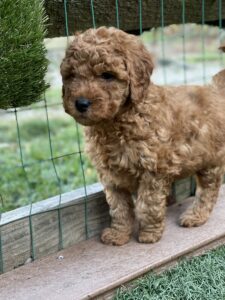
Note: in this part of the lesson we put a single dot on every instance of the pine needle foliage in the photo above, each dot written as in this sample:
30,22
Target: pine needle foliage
22,53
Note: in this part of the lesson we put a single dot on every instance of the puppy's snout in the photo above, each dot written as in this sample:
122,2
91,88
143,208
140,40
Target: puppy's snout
82,104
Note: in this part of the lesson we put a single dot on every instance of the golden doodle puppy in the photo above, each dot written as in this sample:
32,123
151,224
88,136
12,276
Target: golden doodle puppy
141,136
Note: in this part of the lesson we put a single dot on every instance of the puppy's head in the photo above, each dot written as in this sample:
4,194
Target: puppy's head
102,71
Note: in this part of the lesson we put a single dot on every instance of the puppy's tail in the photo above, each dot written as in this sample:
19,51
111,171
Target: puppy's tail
219,78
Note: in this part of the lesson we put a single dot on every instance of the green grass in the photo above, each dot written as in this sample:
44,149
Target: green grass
208,57
41,181
201,278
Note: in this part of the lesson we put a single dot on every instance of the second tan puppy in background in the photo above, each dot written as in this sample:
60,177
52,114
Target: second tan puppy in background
141,136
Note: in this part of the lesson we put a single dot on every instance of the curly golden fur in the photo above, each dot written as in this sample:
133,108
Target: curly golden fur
141,136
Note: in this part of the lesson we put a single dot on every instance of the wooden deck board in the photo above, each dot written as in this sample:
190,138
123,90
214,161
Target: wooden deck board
91,269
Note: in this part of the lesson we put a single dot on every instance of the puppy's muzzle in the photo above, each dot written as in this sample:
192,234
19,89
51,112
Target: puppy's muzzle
82,104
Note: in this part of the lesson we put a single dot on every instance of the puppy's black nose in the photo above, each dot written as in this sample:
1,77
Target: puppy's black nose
82,104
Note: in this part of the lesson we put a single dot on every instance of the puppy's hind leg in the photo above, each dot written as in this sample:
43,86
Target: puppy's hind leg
208,184
122,217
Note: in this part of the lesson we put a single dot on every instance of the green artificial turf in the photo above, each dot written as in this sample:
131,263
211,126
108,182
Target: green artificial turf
23,64
200,278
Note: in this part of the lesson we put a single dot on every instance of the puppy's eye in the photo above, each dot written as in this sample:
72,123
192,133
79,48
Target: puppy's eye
107,76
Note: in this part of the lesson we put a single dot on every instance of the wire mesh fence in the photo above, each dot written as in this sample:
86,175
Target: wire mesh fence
42,150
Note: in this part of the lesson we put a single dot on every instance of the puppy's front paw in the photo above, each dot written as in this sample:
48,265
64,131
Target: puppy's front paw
193,219
149,237
111,236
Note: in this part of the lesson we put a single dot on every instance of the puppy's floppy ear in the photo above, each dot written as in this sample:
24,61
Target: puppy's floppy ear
66,68
140,66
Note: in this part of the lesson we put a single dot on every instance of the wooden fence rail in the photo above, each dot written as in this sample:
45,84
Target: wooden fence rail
80,16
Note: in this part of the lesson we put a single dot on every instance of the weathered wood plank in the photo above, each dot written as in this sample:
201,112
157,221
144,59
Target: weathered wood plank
80,17
97,216
45,233
52,203
183,189
90,269
73,224
81,217
15,238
